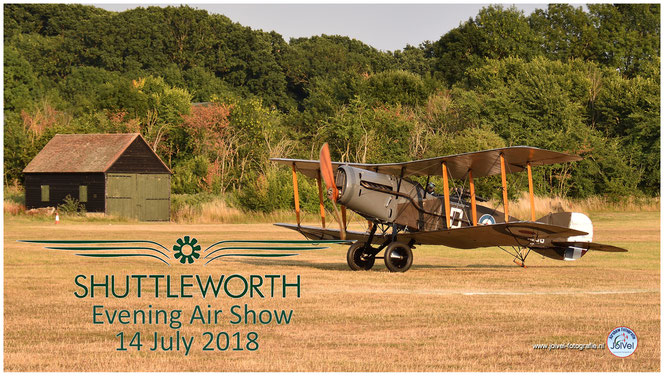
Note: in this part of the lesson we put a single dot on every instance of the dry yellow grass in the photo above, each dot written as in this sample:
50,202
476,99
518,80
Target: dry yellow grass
455,310
545,205
211,212
217,211
13,208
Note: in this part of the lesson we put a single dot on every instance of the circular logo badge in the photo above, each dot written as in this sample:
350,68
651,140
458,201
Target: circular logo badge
622,342
487,219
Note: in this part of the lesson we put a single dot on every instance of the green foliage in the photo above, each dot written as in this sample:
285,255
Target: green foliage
623,36
189,175
266,193
541,103
196,200
47,19
396,87
565,31
562,78
629,110
274,190
628,35
71,206
359,133
21,85
14,193
414,59
495,33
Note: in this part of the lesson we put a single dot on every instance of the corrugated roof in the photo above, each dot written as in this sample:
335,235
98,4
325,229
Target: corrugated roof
81,152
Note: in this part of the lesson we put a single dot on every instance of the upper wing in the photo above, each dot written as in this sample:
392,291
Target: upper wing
501,234
483,163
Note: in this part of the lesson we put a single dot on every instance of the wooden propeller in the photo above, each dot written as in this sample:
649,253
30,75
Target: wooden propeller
327,172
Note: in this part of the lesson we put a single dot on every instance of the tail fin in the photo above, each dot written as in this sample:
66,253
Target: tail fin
569,248
577,221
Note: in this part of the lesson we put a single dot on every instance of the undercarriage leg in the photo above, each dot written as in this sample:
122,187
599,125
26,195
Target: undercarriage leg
519,253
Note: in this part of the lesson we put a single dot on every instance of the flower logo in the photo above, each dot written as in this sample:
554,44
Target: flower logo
186,250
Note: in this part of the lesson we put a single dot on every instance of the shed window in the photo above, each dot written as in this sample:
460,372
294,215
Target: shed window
45,193
82,193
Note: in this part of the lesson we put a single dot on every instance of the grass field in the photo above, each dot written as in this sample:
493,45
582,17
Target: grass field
455,310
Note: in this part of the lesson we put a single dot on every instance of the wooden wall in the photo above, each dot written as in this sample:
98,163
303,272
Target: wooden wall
63,184
138,158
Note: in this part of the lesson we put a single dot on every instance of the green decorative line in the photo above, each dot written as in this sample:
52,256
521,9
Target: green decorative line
252,255
121,255
312,242
266,249
107,249
91,242
187,240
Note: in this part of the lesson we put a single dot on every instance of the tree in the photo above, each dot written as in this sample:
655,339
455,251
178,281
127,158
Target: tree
213,140
562,78
414,59
360,133
21,85
628,35
565,32
541,103
396,87
495,33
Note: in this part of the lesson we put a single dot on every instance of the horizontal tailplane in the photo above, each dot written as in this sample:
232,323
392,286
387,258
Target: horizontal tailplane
572,247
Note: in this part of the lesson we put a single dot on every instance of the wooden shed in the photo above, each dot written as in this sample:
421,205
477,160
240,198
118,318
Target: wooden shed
116,174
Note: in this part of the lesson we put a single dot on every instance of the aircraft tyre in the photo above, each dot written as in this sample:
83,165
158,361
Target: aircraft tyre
357,260
398,257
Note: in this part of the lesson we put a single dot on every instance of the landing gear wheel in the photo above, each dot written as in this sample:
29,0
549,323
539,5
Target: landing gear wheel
358,259
398,257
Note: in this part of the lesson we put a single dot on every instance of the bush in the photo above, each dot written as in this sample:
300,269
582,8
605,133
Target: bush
274,191
188,176
71,206
15,194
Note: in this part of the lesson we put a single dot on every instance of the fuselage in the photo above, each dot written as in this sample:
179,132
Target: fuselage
389,199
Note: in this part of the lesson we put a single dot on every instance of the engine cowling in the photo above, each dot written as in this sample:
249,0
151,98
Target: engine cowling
353,192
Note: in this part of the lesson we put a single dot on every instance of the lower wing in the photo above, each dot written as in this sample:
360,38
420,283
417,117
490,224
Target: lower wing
501,234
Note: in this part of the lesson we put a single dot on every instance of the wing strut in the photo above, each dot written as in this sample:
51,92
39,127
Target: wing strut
320,199
473,205
504,179
530,190
446,192
296,197
343,216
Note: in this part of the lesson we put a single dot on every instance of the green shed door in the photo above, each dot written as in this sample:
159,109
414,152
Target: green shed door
154,193
143,196
121,195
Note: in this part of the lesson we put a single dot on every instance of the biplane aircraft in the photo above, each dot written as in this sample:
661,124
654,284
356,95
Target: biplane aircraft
401,213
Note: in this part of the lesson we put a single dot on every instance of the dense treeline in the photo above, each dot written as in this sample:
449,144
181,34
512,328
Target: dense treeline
585,82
